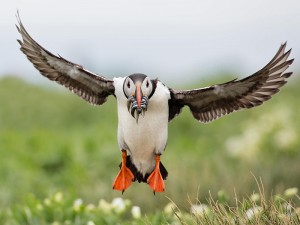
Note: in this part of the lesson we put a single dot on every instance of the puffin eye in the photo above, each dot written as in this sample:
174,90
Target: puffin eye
128,84
147,84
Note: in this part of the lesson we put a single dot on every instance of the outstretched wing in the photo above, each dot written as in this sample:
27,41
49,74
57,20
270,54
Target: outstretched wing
210,103
89,86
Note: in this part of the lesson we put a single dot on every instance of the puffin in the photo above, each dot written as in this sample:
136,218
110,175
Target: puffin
146,106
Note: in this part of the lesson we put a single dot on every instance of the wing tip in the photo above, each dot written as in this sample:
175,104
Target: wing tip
19,25
287,75
290,61
20,42
283,44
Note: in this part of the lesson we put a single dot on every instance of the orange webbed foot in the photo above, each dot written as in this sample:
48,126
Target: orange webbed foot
124,177
155,180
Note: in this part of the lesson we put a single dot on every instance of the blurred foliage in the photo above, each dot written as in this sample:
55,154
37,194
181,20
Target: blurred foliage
51,140
58,209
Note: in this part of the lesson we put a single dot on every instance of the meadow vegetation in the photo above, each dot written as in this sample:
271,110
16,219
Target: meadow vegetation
52,144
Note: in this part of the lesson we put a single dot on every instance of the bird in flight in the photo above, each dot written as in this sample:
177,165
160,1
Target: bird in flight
145,105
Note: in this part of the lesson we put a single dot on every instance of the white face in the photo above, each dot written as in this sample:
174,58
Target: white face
147,87
137,89
130,87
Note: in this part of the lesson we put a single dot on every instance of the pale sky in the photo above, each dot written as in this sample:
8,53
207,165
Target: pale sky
177,41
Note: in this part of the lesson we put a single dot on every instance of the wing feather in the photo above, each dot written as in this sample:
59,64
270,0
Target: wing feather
210,103
89,86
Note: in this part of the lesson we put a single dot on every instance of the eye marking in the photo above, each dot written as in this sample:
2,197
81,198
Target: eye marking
128,84
147,84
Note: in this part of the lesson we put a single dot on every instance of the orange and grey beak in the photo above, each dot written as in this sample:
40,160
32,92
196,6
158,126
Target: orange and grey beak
137,103
138,96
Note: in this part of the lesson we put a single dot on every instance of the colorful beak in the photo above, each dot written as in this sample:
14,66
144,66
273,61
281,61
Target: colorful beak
138,95
137,103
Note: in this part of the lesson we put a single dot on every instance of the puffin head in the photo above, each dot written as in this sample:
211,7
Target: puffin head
138,89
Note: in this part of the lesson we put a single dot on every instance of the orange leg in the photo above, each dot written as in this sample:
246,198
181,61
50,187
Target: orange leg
155,180
124,177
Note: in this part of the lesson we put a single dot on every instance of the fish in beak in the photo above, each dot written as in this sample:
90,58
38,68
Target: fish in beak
137,103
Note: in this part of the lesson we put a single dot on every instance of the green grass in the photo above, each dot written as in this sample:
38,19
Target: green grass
59,209
52,141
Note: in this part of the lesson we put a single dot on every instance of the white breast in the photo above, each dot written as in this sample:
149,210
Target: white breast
149,136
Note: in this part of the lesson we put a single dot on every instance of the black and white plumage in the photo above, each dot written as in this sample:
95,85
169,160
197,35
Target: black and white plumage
145,106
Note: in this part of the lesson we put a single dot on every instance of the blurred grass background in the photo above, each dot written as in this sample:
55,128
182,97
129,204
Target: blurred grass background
51,140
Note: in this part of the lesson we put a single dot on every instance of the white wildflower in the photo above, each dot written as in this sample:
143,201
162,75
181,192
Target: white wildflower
200,210
253,212
286,138
90,223
118,205
39,207
291,192
288,208
90,207
77,204
136,212
104,206
255,197
47,201
58,197
246,144
177,218
170,208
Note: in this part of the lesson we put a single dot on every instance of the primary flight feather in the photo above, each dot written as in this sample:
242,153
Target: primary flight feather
142,139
